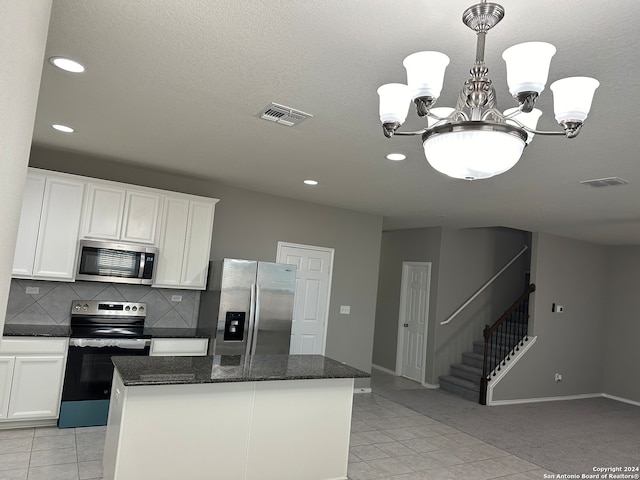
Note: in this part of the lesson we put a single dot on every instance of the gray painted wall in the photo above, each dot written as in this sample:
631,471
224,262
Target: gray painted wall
462,261
249,225
468,259
573,274
622,323
414,245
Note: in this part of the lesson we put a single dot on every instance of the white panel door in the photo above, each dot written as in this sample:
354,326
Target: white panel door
6,375
414,309
311,304
58,234
29,223
36,387
141,217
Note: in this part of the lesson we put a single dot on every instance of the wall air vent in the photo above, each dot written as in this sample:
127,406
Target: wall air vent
604,182
283,115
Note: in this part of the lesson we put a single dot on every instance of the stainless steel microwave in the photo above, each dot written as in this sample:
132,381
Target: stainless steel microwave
116,262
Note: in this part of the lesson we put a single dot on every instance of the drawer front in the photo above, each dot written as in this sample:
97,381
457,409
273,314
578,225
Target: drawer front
23,345
192,347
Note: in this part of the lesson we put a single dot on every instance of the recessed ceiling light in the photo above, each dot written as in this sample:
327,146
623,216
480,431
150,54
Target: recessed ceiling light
396,157
310,182
63,128
67,64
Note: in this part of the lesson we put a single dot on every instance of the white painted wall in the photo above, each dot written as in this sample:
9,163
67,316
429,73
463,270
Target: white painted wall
24,26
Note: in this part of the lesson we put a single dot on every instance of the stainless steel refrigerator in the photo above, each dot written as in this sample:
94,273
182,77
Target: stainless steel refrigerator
248,307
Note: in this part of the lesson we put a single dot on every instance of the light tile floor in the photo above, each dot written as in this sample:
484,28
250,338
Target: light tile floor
49,453
390,441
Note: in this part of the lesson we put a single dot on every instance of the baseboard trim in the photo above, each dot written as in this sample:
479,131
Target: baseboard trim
431,386
545,399
383,369
361,390
620,399
28,424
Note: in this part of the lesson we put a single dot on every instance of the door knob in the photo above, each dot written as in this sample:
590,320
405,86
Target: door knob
406,324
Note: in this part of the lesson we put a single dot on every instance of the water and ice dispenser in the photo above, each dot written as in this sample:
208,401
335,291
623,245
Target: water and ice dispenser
234,326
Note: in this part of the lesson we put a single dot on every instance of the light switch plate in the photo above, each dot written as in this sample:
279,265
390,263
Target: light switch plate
345,309
32,290
176,298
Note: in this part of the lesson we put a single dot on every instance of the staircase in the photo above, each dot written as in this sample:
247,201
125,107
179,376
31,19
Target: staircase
506,335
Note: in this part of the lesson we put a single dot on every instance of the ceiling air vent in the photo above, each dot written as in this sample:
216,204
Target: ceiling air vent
604,182
283,115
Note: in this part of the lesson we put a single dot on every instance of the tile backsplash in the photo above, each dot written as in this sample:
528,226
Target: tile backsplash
52,304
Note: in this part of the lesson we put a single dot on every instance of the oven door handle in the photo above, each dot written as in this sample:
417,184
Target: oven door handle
124,343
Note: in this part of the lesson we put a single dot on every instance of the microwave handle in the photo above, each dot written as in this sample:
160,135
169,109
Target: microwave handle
143,259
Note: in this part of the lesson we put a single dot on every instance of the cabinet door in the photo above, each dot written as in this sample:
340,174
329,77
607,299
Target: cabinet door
140,217
171,246
58,234
36,387
179,347
6,375
29,223
103,215
197,244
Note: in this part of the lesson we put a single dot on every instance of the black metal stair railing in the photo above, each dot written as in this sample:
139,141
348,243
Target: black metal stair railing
504,338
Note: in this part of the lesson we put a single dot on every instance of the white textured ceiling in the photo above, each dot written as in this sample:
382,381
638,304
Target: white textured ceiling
176,85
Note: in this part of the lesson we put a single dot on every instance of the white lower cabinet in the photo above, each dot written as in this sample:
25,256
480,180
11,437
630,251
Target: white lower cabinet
31,377
6,375
179,347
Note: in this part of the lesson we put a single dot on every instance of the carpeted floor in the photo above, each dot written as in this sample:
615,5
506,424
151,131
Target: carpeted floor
571,437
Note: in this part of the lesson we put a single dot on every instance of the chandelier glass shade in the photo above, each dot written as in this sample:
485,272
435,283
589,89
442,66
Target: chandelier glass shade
475,140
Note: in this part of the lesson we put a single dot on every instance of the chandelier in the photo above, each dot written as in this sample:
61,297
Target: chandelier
475,140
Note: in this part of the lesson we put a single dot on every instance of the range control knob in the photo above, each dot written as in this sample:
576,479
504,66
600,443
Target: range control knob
134,308
141,308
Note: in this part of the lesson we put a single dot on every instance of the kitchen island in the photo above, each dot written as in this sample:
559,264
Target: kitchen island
280,417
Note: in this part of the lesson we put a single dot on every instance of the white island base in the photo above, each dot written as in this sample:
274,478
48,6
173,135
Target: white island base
264,430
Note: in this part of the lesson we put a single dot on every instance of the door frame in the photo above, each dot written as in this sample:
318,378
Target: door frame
401,317
331,252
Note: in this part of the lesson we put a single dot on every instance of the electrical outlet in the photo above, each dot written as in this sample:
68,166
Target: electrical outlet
557,377
555,308
176,298
345,309
32,290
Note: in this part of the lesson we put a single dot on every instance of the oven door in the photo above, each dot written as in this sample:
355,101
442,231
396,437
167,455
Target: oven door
88,377
89,369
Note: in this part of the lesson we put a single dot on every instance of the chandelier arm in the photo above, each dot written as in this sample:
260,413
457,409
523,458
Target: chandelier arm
540,132
497,115
419,132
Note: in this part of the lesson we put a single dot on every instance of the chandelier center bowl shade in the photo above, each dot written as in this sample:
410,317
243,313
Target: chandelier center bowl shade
474,140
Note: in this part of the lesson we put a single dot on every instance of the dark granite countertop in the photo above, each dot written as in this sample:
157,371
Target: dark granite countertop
137,371
17,330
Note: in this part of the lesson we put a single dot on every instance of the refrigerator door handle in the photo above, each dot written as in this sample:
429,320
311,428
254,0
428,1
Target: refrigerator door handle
252,315
256,321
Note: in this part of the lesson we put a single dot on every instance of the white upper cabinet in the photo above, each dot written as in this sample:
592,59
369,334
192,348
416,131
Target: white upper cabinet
46,249
29,224
56,213
185,242
121,214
